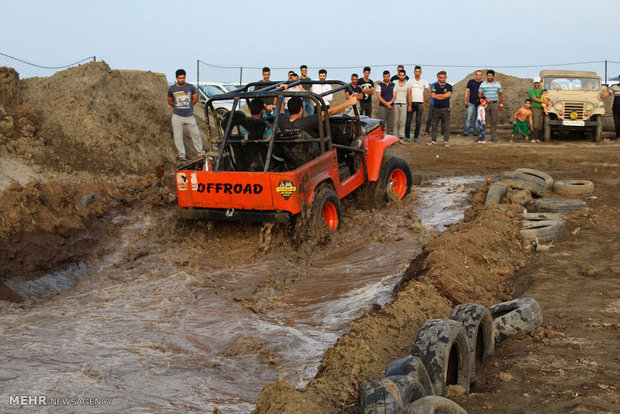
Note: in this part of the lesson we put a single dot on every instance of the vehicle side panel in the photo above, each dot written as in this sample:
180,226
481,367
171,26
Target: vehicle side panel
375,144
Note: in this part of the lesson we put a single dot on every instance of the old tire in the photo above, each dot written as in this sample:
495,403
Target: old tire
478,325
496,193
537,174
516,316
534,217
414,368
523,181
559,205
434,405
389,395
326,212
545,230
573,187
89,199
441,344
394,180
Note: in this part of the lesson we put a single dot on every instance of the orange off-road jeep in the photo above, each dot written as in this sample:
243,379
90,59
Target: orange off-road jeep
261,173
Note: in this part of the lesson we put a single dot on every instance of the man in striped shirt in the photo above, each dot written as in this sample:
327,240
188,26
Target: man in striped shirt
492,92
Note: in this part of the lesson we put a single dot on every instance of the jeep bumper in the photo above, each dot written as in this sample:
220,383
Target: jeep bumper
220,214
561,122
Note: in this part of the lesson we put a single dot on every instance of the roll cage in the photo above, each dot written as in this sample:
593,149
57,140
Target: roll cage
276,91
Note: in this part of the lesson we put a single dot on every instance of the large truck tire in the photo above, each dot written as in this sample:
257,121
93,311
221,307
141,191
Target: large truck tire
478,324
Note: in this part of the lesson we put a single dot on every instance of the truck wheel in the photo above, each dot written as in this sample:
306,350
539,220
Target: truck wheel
326,212
546,129
394,180
441,344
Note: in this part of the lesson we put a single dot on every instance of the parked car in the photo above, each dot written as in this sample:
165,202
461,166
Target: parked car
207,90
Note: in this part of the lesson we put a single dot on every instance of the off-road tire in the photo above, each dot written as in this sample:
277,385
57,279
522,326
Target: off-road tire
394,180
434,405
573,187
496,193
478,325
537,189
542,230
325,203
516,316
536,217
537,174
414,368
559,205
441,344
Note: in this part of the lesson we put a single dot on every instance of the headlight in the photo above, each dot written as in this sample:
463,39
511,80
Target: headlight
589,107
558,106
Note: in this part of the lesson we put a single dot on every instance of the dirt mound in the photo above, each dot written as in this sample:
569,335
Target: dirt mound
87,118
474,261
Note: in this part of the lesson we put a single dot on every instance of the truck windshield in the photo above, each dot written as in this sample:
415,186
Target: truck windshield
572,84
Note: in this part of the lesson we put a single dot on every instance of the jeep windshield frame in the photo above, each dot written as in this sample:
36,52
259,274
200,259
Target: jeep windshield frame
571,83
276,90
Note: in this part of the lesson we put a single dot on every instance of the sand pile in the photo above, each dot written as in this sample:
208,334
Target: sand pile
87,118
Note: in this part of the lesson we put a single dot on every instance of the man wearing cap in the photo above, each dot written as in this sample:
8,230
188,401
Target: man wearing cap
537,109
491,90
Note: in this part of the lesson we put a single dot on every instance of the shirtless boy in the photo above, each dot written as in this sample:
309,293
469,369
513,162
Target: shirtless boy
519,120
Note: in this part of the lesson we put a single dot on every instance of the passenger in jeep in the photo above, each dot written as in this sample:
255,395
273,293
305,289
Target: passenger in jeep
310,123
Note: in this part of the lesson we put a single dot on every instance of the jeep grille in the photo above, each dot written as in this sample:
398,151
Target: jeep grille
571,107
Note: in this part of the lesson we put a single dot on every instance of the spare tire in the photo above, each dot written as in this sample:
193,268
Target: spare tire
478,325
559,205
412,367
536,174
573,187
537,189
496,193
434,405
441,344
546,230
515,316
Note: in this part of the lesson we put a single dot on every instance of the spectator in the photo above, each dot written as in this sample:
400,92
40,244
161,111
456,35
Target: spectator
429,118
308,106
357,91
398,69
322,88
538,115
471,103
386,96
368,87
402,103
519,120
615,90
481,120
293,77
419,87
492,92
268,102
182,97
440,92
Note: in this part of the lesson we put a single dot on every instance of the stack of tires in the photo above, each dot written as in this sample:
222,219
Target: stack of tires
446,352
526,184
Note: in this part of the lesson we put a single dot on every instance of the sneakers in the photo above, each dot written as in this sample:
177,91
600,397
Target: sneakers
482,142
431,143
445,144
182,160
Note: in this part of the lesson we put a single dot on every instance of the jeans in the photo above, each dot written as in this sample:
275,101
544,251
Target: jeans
482,128
387,116
429,118
308,108
443,115
472,112
416,108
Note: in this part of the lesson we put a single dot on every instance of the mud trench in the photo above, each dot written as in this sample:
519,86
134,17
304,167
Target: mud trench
209,312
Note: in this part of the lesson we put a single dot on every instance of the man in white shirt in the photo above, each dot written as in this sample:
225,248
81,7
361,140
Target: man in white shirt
319,89
419,88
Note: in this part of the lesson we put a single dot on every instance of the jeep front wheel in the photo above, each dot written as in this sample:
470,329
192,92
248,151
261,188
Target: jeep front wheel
394,180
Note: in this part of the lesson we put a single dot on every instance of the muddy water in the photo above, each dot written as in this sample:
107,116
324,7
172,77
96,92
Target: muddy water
162,319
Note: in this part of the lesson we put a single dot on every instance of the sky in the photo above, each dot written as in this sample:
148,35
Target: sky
162,36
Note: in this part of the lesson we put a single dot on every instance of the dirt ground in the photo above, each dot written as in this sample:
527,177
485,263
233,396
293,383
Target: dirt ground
123,152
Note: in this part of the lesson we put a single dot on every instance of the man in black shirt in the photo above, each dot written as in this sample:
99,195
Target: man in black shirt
268,102
368,87
441,92
309,123
398,69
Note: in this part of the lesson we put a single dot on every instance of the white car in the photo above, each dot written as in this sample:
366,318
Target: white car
207,90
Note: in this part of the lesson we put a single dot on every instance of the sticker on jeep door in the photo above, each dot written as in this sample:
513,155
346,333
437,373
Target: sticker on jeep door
286,189
182,181
229,188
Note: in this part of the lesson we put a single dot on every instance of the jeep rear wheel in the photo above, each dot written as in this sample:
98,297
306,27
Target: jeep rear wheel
326,212
394,180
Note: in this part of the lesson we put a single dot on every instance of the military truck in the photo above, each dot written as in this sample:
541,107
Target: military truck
577,103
